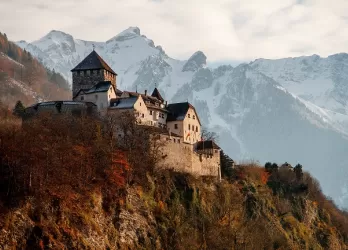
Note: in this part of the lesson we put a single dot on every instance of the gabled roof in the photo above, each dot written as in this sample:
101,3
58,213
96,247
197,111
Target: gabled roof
150,101
123,103
201,145
93,61
157,94
103,86
178,111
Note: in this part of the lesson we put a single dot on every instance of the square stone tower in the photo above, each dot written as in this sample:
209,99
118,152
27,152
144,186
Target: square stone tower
92,70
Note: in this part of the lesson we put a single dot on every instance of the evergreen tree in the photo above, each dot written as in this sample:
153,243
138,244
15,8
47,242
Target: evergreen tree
298,171
271,167
19,109
226,164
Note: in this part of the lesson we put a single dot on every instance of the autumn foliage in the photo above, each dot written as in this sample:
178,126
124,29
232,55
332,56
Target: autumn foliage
60,155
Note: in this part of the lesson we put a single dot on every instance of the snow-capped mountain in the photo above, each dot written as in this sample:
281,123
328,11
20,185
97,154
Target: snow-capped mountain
292,110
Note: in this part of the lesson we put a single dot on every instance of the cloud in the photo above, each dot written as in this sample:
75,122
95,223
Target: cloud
225,30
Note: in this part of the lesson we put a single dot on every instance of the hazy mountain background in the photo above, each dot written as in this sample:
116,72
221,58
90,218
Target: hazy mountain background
292,109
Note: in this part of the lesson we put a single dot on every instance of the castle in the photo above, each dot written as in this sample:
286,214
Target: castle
94,83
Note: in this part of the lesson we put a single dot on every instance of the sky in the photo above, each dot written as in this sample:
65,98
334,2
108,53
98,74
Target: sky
225,30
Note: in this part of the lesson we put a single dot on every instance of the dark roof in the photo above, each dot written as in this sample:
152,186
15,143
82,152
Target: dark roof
123,103
93,61
157,94
119,92
103,86
60,107
178,111
150,101
201,145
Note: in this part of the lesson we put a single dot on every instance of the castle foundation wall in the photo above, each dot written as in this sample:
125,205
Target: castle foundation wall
182,158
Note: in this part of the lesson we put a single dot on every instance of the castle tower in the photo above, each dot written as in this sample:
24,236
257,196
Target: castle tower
92,70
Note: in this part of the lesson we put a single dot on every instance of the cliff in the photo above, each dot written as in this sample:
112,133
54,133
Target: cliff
76,189
174,211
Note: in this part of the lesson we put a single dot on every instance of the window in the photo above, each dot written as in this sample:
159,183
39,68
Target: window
174,140
197,129
97,72
176,126
91,72
188,115
194,117
111,89
178,140
193,127
150,112
163,115
151,123
78,73
142,115
189,127
140,103
96,97
88,72
82,98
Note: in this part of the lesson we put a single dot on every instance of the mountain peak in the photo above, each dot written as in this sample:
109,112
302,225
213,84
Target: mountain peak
196,61
57,36
127,34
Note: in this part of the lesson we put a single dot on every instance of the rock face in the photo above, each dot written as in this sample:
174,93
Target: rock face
196,61
169,213
292,109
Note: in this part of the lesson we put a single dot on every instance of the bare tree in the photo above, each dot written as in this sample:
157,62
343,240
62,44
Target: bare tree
209,136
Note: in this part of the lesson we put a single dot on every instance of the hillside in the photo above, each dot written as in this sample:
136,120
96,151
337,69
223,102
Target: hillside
79,188
293,109
23,78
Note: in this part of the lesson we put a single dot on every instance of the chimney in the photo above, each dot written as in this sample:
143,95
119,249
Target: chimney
145,92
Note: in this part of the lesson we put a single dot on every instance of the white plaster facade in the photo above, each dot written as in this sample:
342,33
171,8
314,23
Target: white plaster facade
101,99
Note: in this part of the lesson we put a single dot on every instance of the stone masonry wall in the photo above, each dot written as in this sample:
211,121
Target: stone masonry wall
87,79
181,157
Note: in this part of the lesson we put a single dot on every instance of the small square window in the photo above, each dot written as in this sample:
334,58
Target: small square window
188,115
176,126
